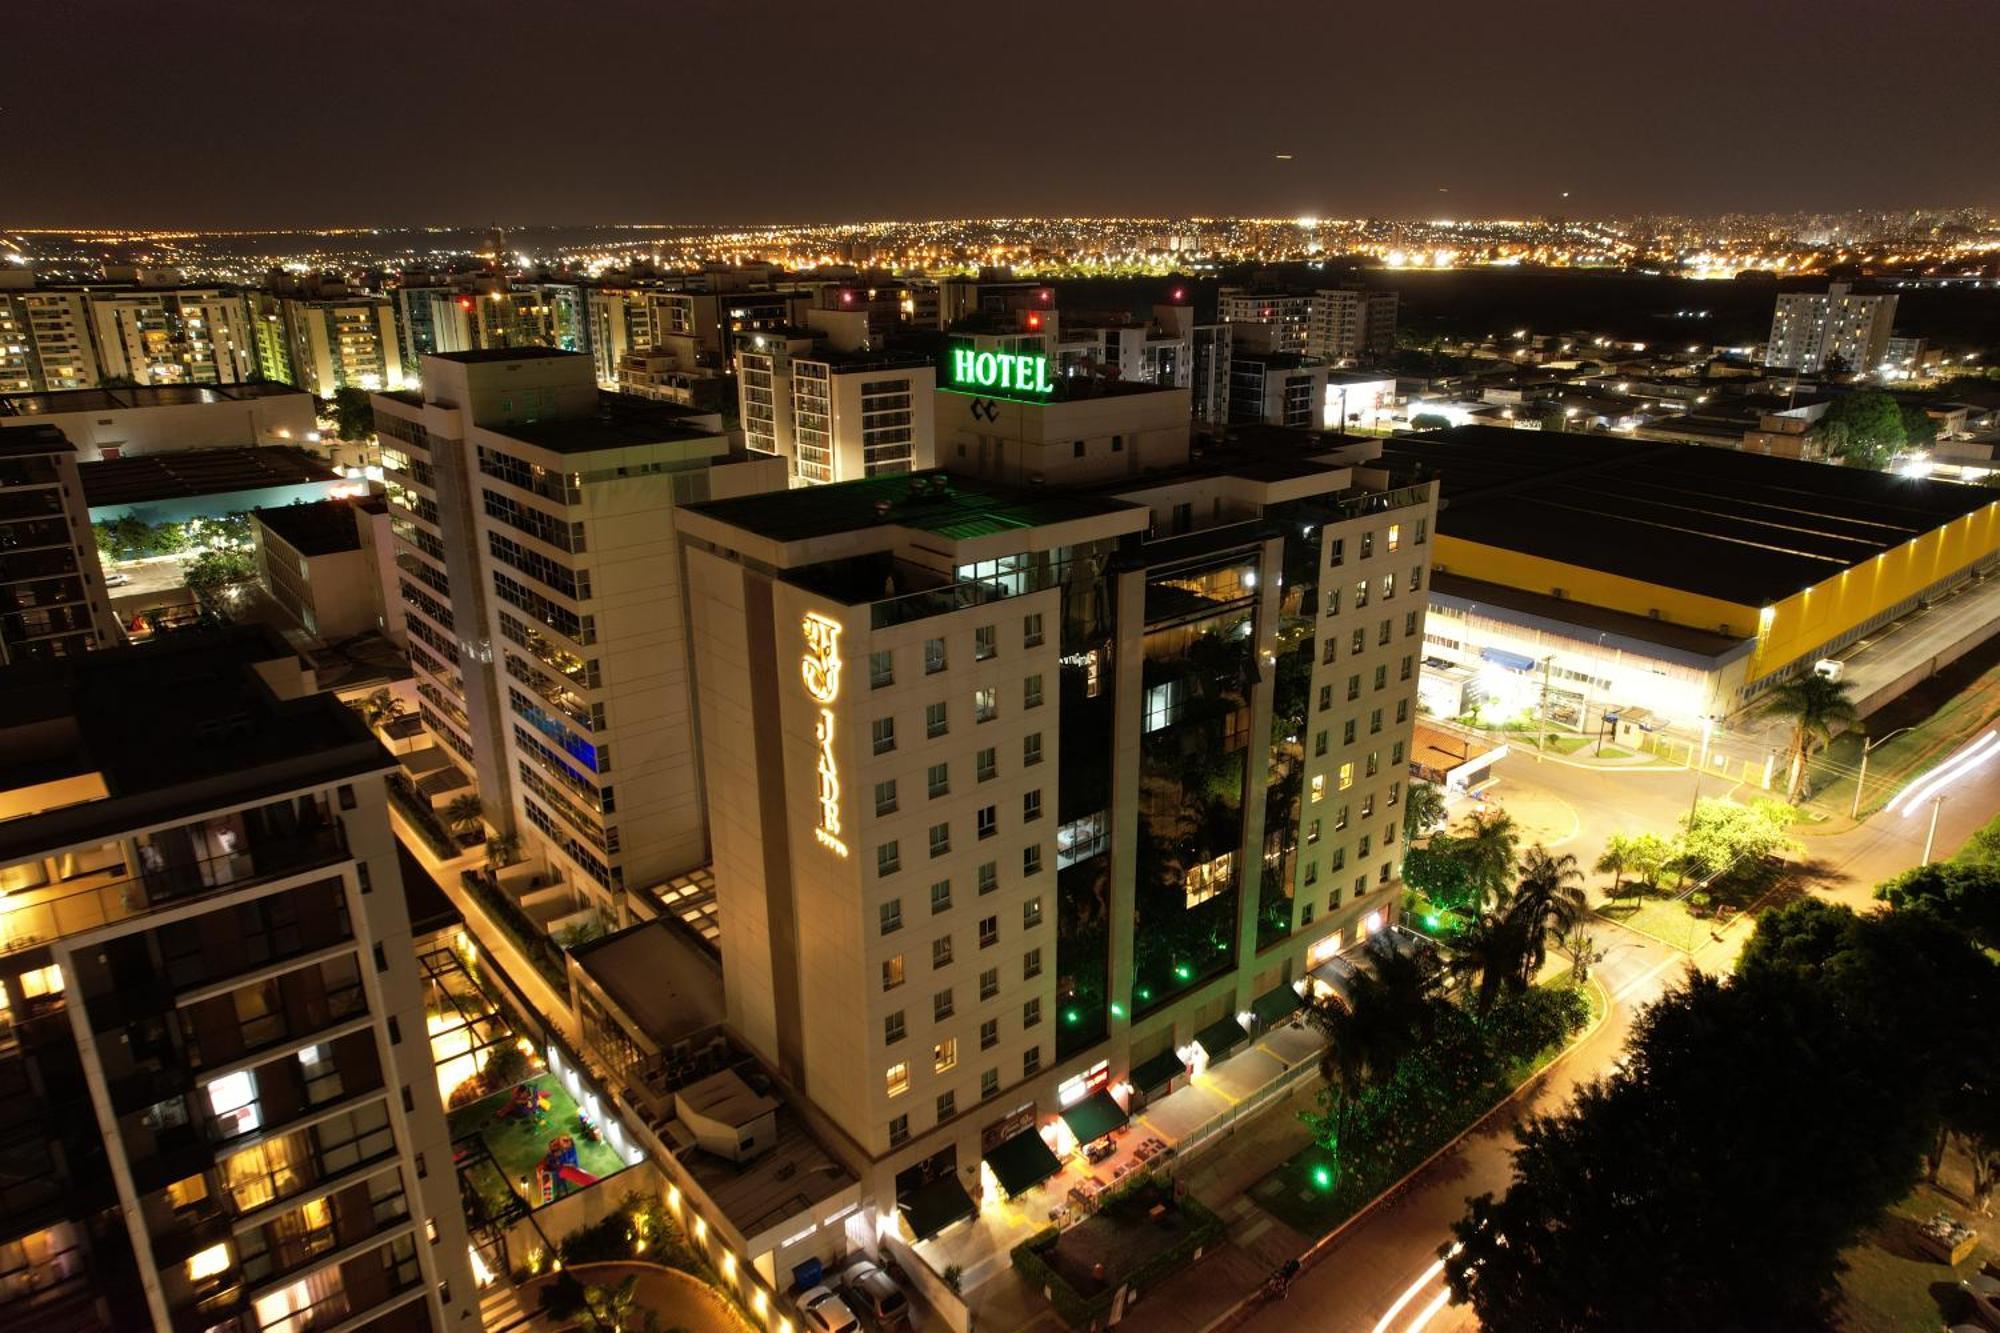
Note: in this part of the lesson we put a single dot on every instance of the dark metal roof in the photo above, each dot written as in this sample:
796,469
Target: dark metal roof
1222,1036
1161,1068
1022,1162
931,501
933,1207
1095,1116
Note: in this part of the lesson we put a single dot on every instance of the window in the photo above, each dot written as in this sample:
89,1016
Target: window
1031,750
1359,641
1416,578
985,642
1368,809
1031,630
233,1100
939,780
1382,875
942,1006
1374,763
1325,697
1340,820
1329,651
1395,535
1336,552
1409,623
1402,710
1347,732
899,1130
1367,545
1374,721
989,1084
1031,692
989,931
941,951
1395,792
892,1028
1318,788
885,797
1396,753
1333,601
1360,594
984,705
1312,832
933,656
881,669
1031,806
1381,676
1031,964
1382,635
989,878
1031,1013
1031,1062
935,722
1421,525
989,1034
888,858
947,1106
892,972
1403,672
892,916
1319,744
989,983
944,1055
1031,913
884,729
1388,587
1338,861
989,820
941,897
1353,688
1031,859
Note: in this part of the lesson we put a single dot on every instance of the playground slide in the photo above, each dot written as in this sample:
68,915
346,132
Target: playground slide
576,1176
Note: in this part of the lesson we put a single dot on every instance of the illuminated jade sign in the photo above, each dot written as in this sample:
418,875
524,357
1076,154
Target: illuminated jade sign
999,374
821,668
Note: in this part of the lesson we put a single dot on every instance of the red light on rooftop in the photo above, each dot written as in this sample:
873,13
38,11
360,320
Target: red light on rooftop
1047,296
1034,319
465,303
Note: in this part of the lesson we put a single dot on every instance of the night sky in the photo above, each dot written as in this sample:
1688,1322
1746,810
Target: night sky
255,113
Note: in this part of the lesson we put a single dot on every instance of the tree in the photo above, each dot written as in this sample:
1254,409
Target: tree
1718,834
1423,807
1430,421
1390,1007
353,415
1490,839
1442,872
1965,897
1649,853
502,850
1618,859
1581,950
1919,427
1549,900
1553,418
464,812
209,572
1864,429
1816,706
382,707
1487,953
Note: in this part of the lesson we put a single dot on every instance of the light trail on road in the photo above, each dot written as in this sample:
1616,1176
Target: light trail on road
1964,761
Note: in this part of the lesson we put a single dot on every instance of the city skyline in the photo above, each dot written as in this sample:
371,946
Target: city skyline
1476,113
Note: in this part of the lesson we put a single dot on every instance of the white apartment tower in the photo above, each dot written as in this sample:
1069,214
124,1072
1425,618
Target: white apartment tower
1811,329
179,335
535,530
344,342
1351,323
834,415
53,602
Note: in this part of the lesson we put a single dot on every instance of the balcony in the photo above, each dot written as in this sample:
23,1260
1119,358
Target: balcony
40,915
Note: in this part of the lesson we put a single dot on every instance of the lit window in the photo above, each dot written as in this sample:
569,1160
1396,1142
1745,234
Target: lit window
944,1055
1319,788
1346,776
213,1260
898,1078
233,1098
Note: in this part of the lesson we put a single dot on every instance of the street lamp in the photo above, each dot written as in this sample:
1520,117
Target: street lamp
1862,781
1936,784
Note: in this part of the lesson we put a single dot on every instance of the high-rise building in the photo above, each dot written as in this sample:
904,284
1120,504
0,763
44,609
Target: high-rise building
621,323
1290,314
1811,331
1351,323
346,342
1019,794
535,524
834,415
53,601
220,1108
174,335
483,312
44,338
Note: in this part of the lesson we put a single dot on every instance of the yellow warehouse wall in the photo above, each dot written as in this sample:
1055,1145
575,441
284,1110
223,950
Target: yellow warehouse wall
1533,573
1825,611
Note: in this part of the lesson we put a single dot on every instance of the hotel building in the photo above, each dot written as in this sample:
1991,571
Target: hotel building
53,602
218,1101
1050,774
534,521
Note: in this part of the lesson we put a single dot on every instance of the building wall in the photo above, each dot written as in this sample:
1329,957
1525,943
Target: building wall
331,596
98,433
1021,443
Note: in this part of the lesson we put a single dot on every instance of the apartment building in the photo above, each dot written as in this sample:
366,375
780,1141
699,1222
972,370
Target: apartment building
534,523
174,335
219,1109
1018,794
621,323
832,414
1289,314
486,311
346,342
45,341
1276,388
53,602
1350,323
1810,330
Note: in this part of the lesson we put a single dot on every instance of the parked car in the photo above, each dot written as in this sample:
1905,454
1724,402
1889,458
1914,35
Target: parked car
874,1293
118,578
825,1312
1984,1289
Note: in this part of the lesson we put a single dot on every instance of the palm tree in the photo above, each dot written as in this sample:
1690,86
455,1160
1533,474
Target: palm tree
1490,838
1388,1010
501,850
1550,900
382,707
1619,857
1816,706
1487,953
464,812
1423,807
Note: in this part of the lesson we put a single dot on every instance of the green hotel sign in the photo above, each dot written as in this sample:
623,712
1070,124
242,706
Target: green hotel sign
1022,375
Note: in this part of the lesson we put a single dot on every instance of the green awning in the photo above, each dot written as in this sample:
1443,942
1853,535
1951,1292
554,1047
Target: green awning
1161,1069
1221,1037
936,1206
1094,1117
1276,1005
1022,1162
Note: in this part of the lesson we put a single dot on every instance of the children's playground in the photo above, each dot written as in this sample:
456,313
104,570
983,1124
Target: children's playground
541,1141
